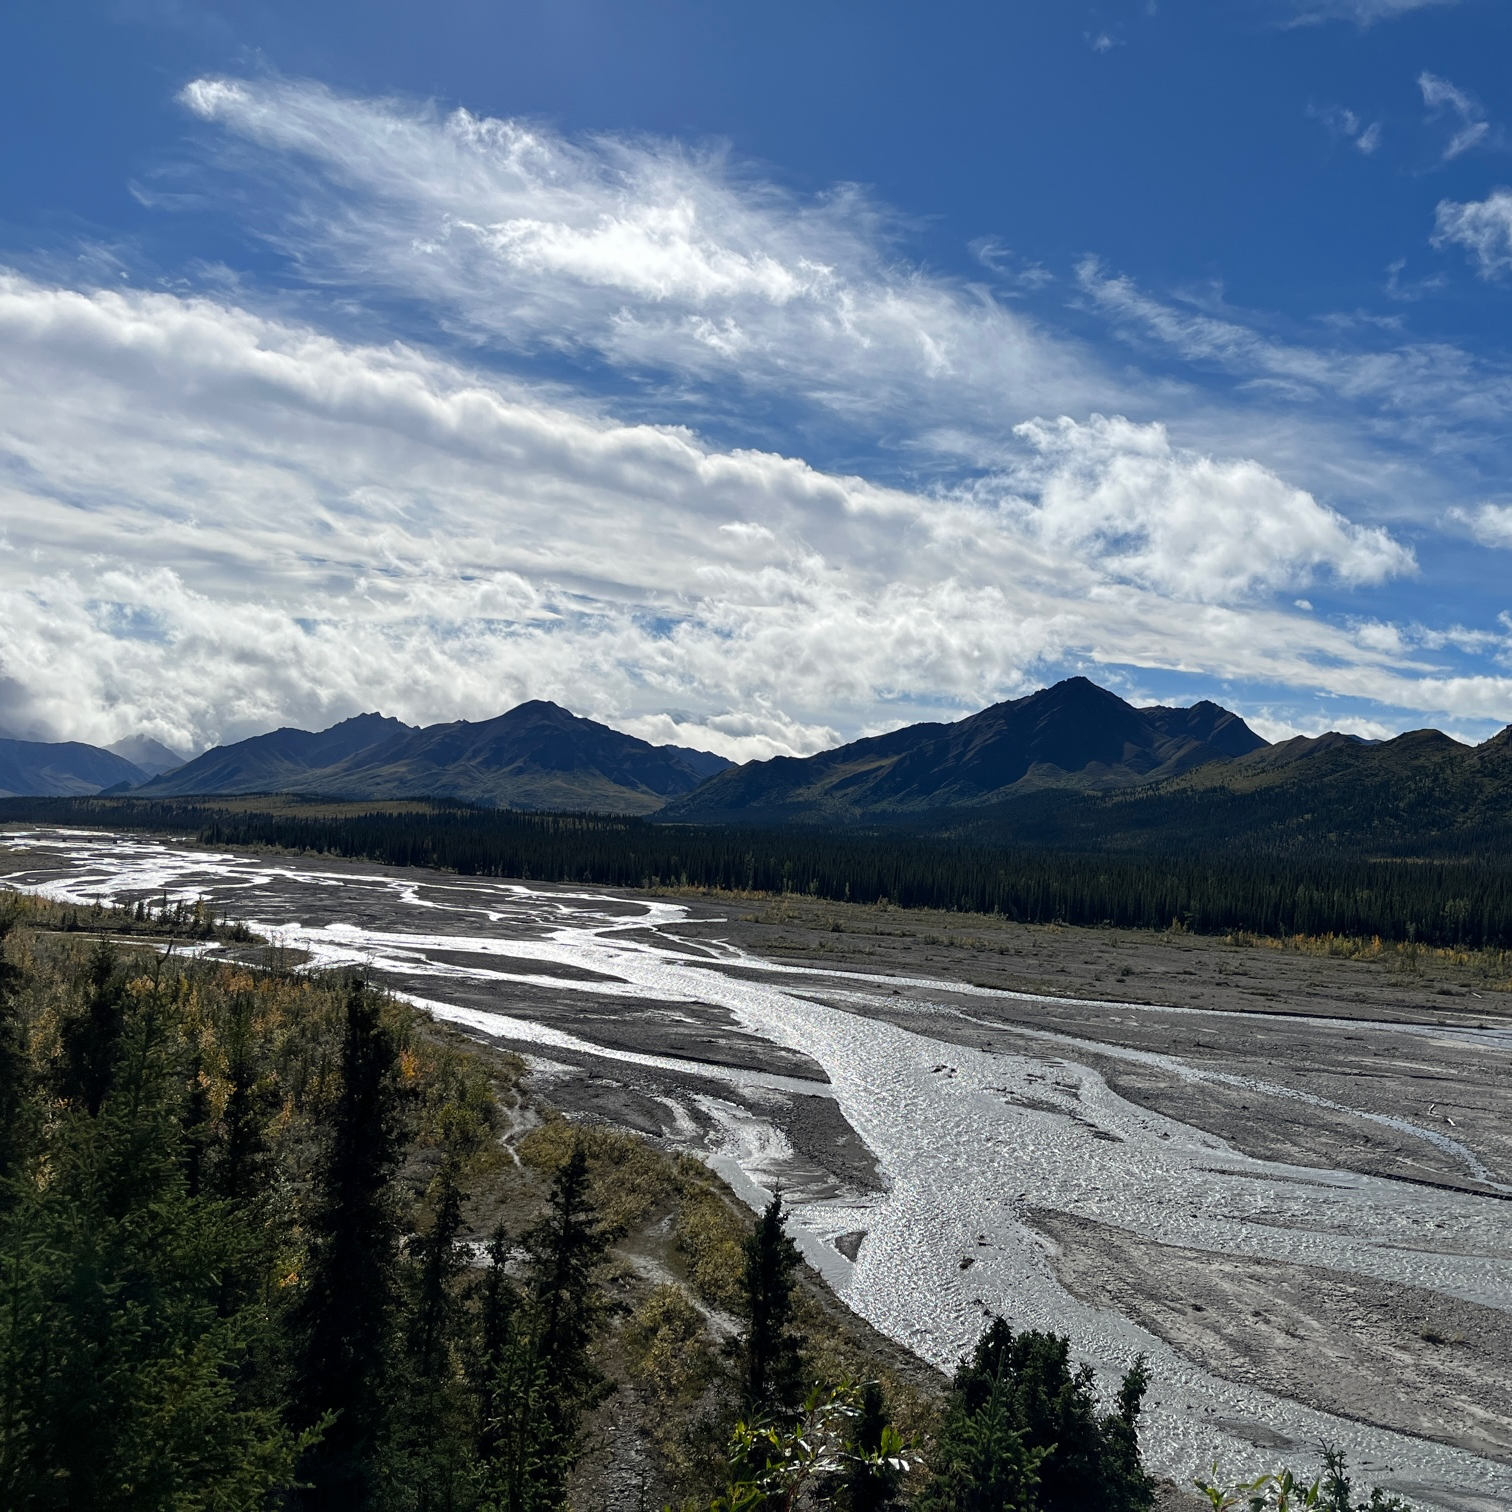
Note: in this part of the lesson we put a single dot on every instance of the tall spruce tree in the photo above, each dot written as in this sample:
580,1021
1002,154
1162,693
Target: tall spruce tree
19,1117
348,1314
243,1146
771,1347
91,1036
535,1373
870,1485
437,1428
1021,1394
520,1463
566,1248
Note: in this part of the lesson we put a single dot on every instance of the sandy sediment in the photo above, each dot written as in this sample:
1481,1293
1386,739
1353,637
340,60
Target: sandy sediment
1400,1357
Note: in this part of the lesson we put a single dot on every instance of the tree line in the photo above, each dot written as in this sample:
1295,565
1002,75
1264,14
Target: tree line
1439,902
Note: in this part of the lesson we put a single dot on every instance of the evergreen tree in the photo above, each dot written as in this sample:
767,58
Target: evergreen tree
437,1432
871,1484
534,1375
121,1377
18,1114
91,1038
982,1462
566,1249
243,1144
347,1314
1021,1389
495,1304
772,1349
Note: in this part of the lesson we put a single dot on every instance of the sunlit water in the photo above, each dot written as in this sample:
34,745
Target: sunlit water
961,1161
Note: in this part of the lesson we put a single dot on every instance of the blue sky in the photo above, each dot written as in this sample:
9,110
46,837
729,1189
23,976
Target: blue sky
753,376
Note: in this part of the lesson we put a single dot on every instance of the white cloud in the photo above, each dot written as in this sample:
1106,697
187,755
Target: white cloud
1362,12
651,258
1427,388
222,522
1482,227
1276,728
1343,122
1490,524
1440,95
1191,526
218,520
698,291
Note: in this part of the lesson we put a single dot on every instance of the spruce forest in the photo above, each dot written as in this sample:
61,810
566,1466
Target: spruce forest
1138,881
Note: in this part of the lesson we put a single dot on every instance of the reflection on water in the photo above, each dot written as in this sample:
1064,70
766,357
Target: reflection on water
968,1140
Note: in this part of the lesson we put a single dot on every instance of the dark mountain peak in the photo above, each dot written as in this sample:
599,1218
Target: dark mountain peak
271,763
1073,734
370,721
1209,723
544,708
536,755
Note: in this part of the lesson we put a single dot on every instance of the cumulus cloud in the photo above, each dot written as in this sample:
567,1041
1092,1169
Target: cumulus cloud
220,521
1482,227
1490,524
1191,526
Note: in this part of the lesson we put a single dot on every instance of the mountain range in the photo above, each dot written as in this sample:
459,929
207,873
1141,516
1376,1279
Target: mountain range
1074,735
1071,766
537,756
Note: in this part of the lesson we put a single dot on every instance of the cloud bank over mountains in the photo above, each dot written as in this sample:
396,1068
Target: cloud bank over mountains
222,515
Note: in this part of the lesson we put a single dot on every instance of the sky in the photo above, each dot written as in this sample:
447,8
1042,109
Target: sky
753,377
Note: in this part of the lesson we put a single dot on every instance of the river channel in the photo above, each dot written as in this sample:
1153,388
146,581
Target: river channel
965,1142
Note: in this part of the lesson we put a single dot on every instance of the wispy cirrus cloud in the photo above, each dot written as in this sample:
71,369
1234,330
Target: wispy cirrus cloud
1443,98
642,254
1364,13
1343,122
1423,385
704,291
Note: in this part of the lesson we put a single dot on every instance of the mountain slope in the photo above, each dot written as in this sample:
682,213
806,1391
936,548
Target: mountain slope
151,756
277,762
1073,735
537,756
67,768
1421,795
